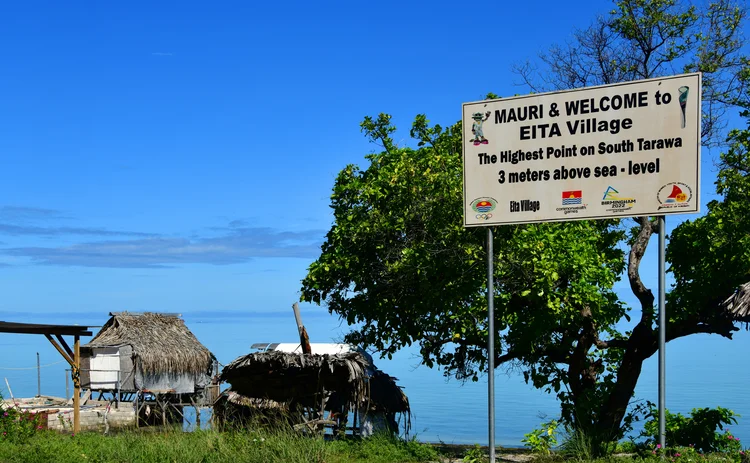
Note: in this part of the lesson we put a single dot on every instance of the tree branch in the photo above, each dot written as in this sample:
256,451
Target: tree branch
611,343
644,295
554,355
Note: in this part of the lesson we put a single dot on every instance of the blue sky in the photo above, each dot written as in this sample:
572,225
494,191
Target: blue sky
180,156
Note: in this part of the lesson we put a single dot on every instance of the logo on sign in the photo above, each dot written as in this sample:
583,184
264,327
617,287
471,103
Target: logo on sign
615,201
483,206
572,202
675,194
571,198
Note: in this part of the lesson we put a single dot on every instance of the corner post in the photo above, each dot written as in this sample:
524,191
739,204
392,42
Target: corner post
77,385
38,377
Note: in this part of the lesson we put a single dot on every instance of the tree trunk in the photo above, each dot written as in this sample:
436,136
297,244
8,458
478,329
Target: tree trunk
614,409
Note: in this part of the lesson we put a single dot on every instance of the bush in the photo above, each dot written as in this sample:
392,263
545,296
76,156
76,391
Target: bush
475,455
701,430
626,447
691,455
17,425
542,440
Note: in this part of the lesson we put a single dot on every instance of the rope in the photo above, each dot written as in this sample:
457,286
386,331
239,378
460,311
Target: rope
34,368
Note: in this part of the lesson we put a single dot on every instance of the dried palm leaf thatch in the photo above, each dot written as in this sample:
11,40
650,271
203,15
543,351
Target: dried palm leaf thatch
162,342
281,376
738,304
386,395
239,399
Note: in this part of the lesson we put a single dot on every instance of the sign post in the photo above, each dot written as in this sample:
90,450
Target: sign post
662,335
491,342
624,150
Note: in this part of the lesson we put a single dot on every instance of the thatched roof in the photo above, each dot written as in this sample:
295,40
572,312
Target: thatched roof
386,395
738,304
281,377
162,342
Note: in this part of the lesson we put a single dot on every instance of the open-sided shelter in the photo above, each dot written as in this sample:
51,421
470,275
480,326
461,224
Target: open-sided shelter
72,356
339,383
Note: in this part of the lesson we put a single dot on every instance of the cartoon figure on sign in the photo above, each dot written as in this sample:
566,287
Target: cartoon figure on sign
476,128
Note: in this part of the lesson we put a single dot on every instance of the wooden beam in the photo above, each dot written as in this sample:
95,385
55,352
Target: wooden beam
77,385
64,345
60,350
36,328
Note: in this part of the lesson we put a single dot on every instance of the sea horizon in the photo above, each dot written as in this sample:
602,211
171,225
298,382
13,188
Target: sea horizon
700,373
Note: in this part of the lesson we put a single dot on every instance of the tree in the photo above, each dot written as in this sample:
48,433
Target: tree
641,39
399,266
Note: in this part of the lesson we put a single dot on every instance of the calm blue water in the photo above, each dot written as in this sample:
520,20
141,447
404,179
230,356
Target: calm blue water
702,371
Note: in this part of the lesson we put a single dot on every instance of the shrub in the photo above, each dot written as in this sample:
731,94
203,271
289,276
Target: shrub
542,440
626,447
701,430
475,455
692,455
17,425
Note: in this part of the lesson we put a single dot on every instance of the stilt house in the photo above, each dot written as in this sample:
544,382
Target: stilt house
154,353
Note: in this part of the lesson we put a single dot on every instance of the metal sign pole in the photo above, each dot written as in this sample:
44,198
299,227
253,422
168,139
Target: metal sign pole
491,344
662,334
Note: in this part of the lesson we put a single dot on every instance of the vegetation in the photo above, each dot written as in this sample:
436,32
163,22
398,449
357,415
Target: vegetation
208,446
17,426
475,455
542,440
641,39
703,430
398,265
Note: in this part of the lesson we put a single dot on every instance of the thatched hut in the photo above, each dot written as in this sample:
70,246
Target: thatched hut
314,384
151,352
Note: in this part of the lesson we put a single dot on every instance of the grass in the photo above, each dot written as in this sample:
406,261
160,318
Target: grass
210,446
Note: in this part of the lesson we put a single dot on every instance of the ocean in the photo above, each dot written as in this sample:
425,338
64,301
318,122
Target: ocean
702,371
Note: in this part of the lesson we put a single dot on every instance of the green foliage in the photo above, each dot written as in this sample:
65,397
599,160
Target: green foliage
626,447
261,446
382,448
692,455
658,29
475,455
542,440
701,430
651,38
720,236
400,268
16,425
583,444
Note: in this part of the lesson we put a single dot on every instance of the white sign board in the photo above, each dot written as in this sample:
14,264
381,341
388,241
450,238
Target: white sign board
620,150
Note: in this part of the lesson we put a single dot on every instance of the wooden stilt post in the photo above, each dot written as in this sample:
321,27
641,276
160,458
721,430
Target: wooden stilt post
137,411
77,385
